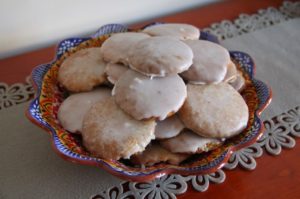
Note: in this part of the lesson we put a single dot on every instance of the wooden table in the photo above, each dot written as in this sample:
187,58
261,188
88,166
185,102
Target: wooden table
275,177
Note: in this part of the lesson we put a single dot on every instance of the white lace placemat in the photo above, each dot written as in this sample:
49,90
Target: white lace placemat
33,170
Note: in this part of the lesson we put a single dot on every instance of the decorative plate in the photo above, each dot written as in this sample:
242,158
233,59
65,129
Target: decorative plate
43,112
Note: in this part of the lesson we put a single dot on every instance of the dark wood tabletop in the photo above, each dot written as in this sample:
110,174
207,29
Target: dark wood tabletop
275,176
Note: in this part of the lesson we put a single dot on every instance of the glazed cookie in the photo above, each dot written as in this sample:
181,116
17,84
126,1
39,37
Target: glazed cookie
214,110
239,83
168,128
160,56
114,71
177,30
110,133
72,110
82,71
209,64
231,73
189,142
145,98
154,153
115,48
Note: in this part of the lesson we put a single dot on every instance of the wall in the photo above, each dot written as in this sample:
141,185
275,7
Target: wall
32,24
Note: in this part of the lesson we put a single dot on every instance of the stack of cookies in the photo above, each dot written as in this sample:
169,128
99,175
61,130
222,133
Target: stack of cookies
172,95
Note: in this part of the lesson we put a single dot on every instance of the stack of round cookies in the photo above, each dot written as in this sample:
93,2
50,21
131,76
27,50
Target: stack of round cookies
173,95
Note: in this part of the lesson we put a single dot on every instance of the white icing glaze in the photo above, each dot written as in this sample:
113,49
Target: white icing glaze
144,98
176,30
113,91
189,142
82,70
209,64
116,134
114,71
214,110
168,128
239,83
160,56
73,109
231,73
115,49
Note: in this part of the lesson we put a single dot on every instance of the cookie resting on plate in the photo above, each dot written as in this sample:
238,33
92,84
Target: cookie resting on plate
115,49
168,128
72,110
146,98
190,142
214,110
231,73
110,133
160,56
176,30
82,71
154,153
239,83
115,71
209,63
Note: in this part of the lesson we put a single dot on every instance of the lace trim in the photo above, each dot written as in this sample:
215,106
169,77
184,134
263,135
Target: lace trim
15,94
248,23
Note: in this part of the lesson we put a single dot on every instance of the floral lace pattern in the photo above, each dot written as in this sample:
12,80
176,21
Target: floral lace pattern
249,23
281,130
245,157
15,94
292,118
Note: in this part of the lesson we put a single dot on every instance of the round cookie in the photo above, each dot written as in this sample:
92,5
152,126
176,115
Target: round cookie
160,56
231,73
168,128
189,142
114,72
214,110
82,71
144,98
72,110
239,83
154,153
110,133
176,30
209,63
115,49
